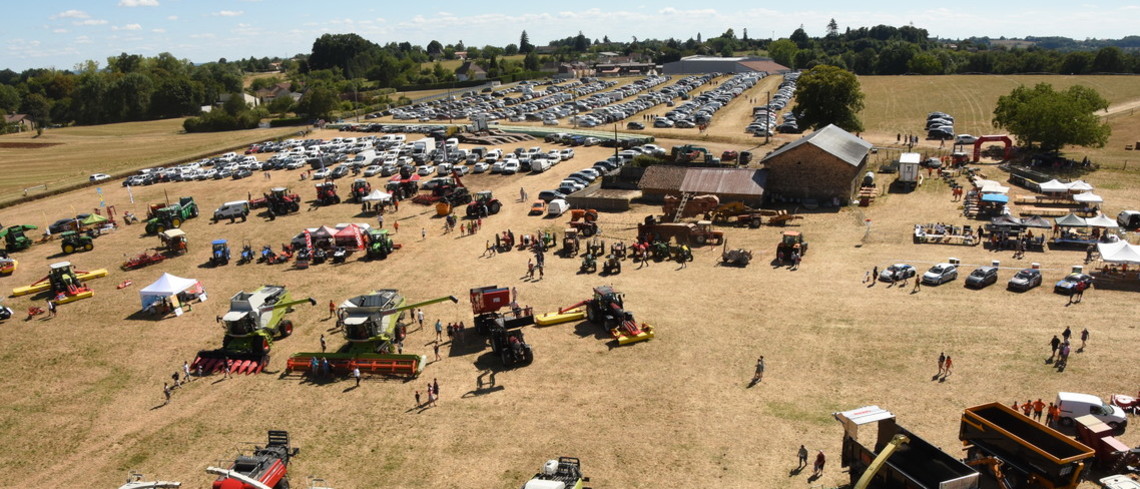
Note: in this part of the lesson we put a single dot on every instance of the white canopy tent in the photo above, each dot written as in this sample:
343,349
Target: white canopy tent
990,186
1101,221
1080,186
1053,186
1119,252
167,286
377,196
1088,198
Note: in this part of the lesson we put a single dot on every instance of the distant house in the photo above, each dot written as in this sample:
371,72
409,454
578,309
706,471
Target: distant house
470,71
729,184
625,69
249,99
269,94
824,166
721,64
21,120
576,69
461,55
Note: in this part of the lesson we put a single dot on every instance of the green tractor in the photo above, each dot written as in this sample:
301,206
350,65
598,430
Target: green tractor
379,244
589,264
15,239
371,324
74,242
172,216
254,320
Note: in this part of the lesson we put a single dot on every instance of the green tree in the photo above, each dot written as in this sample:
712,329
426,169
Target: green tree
38,108
530,62
511,49
176,97
783,51
318,102
826,95
280,105
434,48
525,47
1045,118
925,64
9,99
1108,60
801,38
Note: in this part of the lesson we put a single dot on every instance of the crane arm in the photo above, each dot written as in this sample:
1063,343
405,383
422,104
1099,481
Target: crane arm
382,311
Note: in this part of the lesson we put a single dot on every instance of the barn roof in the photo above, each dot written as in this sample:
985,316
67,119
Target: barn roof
662,177
765,65
834,141
722,181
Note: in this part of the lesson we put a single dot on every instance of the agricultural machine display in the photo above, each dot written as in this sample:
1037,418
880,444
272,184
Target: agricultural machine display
740,214
160,219
589,264
219,252
606,308
450,191
279,201
174,241
501,328
247,254
15,237
739,257
791,241
360,189
585,221
262,468
7,264
252,323
379,244
692,154
485,204
570,242
5,313
73,242
698,233
372,325
144,259
66,285
564,473
612,266
326,194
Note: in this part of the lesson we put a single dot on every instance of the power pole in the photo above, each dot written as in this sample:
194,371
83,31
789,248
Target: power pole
767,127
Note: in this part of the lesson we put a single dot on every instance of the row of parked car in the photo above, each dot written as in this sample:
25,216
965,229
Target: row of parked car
984,276
581,179
939,125
764,119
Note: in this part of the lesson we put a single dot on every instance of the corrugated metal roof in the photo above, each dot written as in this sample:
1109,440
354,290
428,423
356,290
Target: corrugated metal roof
662,177
834,141
735,181
767,66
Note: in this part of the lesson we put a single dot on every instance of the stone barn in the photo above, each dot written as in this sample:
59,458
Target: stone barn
824,166
661,180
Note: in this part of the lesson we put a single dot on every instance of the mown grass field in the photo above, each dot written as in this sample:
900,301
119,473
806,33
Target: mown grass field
453,64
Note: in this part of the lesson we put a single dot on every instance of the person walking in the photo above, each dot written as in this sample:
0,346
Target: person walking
435,386
1084,338
229,367
395,227
1049,415
941,363
1066,334
1038,407
314,365
759,375
917,286
1054,344
51,308
949,363
176,379
1027,408
186,371
438,330
166,392
803,455
423,233
323,344
1081,286
437,351
332,309
420,317
356,375
820,461
417,398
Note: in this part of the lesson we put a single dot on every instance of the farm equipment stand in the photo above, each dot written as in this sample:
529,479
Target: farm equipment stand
66,285
501,328
265,468
606,309
253,321
371,324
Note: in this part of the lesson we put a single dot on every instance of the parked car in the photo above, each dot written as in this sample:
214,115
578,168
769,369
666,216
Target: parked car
322,174
940,274
1128,219
898,271
238,209
1068,285
537,208
549,195
635,125
1074,405
98,177
340,171
982,277
1025,280
372,171
241,173
425,170
480,167
965,139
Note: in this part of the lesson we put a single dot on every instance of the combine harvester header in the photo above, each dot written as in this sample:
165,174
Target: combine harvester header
253,321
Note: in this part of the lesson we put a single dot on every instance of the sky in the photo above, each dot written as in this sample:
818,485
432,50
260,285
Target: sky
62,33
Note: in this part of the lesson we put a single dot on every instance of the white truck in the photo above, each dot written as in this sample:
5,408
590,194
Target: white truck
422,149
908,169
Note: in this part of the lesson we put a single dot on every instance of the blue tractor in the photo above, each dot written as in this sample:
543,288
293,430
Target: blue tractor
220,254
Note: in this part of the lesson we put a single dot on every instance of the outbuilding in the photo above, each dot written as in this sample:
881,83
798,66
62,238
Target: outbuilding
823,166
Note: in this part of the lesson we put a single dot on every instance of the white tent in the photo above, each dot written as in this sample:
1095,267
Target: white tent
990,186
377,196
166,286
1101,221
1053,186
1088,198
1080,186
1119,252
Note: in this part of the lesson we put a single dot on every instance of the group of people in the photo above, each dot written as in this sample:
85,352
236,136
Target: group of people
432,394
820,461
945,364
1034,409
1061,347
470,227
178,379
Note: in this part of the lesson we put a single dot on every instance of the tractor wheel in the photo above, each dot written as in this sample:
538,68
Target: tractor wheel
701,239
336,199
754,223
193,212
286,328
68,249
591,315
471,211
176,222
294,207
88,247
261,345
159,229
495,207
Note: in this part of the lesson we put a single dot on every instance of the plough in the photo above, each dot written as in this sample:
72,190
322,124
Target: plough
144,259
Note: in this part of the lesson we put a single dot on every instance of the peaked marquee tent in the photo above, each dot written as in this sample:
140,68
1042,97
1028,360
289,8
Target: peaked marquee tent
167,286
1119,252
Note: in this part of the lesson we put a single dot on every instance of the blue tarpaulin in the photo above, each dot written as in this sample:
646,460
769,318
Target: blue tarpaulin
995,198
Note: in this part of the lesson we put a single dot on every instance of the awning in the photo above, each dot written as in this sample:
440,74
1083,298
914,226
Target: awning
1053,186
93,219
1088,198
1119,252
1071,221
1036,222
996,198
1101,221
1079,186
1006,221
167,285
377,196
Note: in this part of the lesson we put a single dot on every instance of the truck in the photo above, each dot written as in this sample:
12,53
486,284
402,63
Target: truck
908,170
422,149
1018,450
919,465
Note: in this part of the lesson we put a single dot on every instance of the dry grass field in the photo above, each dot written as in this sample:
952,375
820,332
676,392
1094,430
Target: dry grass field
70,155
80,397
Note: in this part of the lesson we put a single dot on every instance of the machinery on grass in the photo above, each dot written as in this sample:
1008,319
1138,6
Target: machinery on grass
66,285
174,241
326,194
5,313
612,266
261,468
280,201
681,253
373,325
892,456
144,259
219,252
606,308
564,473
135,481
501,328
791,241
692,154
1019,452
589,264
7,264
448,189
484,204
570,242
698,233
379,244
585,221
737,213
247,254
254,320
15,237
360,189
73,242
739,257
160,219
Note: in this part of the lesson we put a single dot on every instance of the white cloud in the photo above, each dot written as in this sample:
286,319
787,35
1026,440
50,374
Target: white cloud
128,27
159,31
82,40
138,3
59,31
228,13
172,17
71,14
91,22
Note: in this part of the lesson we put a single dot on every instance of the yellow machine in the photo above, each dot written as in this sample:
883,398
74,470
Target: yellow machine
881,459
68,285
561,316
8,265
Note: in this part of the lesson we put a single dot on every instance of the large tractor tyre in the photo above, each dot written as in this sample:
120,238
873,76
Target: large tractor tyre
244,215
472,211
88,247
494,207
176,222
286,328
336,199
754,223
803,249
261,345
587,231
294,207
591,313
194,211
68,248
701,239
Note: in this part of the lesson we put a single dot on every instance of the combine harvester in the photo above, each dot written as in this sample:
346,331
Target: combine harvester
65,284
605,308
252,323
264,468
370,324
501,329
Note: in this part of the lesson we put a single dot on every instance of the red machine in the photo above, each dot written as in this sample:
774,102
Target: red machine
143,259
585,221
265,468
326,194
606,308
501,328
360,189
1111,454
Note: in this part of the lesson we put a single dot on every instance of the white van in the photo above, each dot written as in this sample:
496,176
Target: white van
1074,405
232,210
557,207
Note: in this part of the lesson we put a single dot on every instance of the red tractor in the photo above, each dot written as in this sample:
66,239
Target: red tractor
360,189
326,194
585,221
281,202
502,329
265,467
485,204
